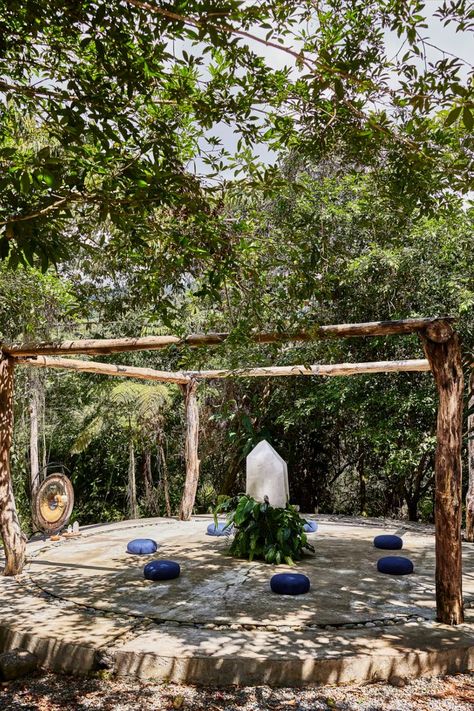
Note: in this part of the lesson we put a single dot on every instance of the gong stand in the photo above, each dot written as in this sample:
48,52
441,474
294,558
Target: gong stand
53,503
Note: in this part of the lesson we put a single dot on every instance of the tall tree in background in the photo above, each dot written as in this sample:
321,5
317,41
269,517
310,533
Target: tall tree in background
34,444
111,116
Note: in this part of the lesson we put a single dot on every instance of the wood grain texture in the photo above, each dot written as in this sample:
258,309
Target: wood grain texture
90,366
119,345
470,464
445,361
390,366
191,451
13,539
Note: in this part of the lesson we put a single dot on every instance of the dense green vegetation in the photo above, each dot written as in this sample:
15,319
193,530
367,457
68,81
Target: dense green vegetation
353,445
123,211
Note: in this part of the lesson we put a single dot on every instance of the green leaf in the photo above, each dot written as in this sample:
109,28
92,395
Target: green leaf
47,177
467,118
339,88
452,116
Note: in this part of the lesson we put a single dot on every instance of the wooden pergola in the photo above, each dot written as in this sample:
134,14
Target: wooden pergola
443,358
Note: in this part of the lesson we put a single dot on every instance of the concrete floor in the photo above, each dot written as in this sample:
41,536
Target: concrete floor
83,602
95,570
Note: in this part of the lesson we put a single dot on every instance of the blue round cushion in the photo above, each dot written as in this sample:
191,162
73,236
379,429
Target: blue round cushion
390,543
219,530
142,546
395,565
161,570
310,527
290,584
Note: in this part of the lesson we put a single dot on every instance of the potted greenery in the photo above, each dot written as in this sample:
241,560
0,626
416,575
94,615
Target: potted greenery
264,532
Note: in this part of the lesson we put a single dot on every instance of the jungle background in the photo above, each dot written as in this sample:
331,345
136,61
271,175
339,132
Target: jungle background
342,196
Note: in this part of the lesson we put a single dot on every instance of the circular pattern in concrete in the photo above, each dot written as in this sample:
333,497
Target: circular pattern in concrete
215,589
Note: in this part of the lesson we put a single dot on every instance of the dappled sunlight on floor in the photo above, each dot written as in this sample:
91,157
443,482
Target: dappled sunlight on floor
84,602
214,587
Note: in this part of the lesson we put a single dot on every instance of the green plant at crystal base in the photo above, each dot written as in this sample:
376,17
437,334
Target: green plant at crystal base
264,532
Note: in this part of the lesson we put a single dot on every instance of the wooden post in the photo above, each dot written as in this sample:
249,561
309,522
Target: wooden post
470,456
14,541
191,451
443,352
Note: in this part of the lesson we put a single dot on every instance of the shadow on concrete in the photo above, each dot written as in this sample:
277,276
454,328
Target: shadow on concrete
162,630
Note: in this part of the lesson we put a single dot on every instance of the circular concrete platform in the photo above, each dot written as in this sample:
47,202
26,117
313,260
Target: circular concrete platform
83,604
346,588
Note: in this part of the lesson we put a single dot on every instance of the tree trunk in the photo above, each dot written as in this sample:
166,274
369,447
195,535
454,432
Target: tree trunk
34,454
166,488
362,484
445,359
413,495
151,492
132,484
231,476
470,451
44,448
191,451
147,476
13,539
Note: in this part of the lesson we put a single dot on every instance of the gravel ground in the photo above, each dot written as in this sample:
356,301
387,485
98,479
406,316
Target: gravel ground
50,692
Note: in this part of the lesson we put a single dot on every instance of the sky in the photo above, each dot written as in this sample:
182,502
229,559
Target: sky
460,44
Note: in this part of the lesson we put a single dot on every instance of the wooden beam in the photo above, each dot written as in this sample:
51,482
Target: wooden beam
118,345
445,361
191,451
90,366
185,376
14,542
470,463
384,366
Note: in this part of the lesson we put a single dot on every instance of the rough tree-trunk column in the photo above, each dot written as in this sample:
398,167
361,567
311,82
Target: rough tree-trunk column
470,450
13,539
34,457
191,451
442,349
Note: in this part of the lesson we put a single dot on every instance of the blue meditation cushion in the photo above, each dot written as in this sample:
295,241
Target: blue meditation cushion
220,530
395,565
390,543
161,570
289,584
310,527
142,546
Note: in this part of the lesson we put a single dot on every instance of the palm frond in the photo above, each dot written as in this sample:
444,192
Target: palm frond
90,432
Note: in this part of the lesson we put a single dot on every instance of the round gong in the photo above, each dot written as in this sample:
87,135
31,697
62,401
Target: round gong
53,503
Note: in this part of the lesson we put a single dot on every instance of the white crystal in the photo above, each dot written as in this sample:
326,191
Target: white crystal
75,527
267,475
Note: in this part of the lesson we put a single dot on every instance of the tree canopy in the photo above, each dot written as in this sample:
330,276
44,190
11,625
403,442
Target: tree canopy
112,118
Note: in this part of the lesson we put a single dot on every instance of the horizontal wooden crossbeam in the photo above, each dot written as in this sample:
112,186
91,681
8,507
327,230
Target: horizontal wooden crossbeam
119,345
383,366
87,366
90,366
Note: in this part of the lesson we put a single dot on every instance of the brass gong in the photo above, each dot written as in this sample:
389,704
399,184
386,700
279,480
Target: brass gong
53,503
